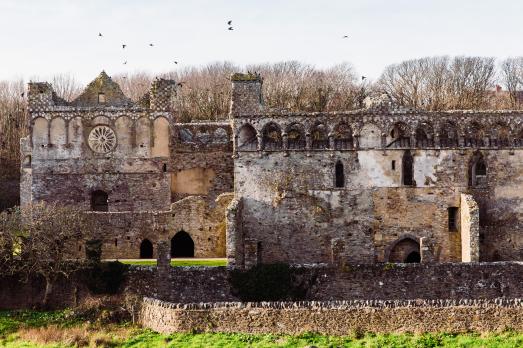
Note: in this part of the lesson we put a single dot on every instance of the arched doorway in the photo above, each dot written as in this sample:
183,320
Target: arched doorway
182,245
99,201
406,250
146,249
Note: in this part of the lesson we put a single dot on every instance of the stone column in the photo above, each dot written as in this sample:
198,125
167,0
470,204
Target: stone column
426,249
163,269
469,227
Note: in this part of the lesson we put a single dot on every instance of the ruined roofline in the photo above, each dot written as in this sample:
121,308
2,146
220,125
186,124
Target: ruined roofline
366,112
205,123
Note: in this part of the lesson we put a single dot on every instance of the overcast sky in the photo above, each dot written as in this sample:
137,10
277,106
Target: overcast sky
40,38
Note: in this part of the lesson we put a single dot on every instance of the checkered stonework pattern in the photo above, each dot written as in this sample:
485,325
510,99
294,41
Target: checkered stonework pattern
161,95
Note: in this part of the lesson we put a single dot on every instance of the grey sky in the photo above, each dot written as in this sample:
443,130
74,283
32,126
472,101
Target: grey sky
40,38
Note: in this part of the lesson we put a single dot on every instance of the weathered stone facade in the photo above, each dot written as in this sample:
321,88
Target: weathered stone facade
382,184
129,161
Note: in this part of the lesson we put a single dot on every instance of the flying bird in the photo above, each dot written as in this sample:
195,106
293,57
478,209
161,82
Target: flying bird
151,45
124,62
229,23
345,36
22,94
180,84
363,78
231,28
100,34
124,46
175,62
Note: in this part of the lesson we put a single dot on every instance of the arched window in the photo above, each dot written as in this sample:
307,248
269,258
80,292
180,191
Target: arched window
407,169
295,137
247,140
146,249
320,139
342,137
399,136
448,135
182,245
422,140
272,137
99,201
340,175
405,250
478,171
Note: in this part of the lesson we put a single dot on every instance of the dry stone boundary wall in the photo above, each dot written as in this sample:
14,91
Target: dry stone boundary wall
336,317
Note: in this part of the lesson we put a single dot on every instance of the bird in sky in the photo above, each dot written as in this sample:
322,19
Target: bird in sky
124,62
363,77
345,36
180,84
22,94
100,34
151,44
175,62
229,23
124,46
231,28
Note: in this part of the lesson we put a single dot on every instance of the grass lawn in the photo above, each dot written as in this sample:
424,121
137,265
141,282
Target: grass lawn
57,329
182,262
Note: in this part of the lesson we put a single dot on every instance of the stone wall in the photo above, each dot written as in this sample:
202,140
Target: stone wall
202,162
204,223
469,229
335,318
365,282
368,185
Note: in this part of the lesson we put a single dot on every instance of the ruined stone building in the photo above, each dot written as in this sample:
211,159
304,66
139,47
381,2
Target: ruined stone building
381,184
124,160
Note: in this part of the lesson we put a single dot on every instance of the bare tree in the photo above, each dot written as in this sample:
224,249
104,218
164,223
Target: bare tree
42,239
512,76
134,85
66,86
436,83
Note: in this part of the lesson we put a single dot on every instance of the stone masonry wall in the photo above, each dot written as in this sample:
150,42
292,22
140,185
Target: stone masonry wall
286,166
335,318
365,282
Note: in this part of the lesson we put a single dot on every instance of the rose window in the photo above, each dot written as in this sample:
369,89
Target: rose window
102,139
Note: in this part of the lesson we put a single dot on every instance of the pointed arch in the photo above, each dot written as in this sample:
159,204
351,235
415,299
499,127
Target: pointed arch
448,135
319,137
272,139
146,249
296,137
407,169
399,136
182,245
339,174
343,136
247,139
477,170
404,250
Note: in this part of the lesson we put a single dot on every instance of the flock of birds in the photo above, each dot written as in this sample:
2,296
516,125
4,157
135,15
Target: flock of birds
229,28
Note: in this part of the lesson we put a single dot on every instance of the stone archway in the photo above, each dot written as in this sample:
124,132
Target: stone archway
405,250
146,249
182,245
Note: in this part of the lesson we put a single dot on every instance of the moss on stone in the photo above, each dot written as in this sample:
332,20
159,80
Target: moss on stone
246,77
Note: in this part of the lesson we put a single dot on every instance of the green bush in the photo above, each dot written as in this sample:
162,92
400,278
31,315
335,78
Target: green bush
106,277
268,282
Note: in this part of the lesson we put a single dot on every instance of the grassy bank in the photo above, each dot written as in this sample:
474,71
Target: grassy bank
179,263
61,329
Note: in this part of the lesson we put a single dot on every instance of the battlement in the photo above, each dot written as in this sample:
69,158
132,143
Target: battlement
246,95
378,129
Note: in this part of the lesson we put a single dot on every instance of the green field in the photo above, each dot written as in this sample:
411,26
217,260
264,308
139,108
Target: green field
179,263
60,329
